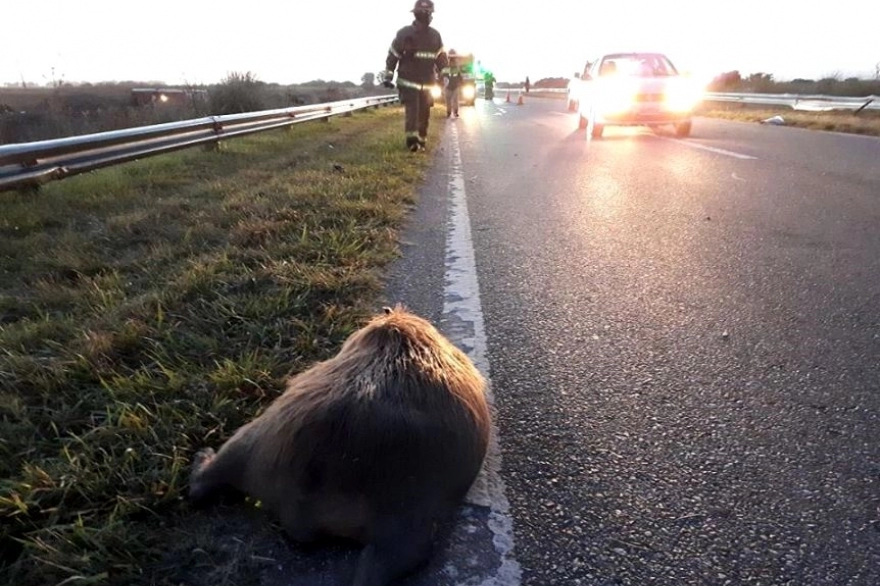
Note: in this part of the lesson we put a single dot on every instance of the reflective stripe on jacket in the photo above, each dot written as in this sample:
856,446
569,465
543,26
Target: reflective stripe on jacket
417,53
453,74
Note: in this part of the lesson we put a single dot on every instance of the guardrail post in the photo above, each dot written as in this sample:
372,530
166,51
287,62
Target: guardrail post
215,145
863,106
29,187
290,126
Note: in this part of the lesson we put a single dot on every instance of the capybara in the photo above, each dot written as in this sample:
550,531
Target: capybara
378,444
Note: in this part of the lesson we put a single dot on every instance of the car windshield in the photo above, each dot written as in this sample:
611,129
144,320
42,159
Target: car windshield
647,65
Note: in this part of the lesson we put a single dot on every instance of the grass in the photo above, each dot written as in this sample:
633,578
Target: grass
148,310
866,122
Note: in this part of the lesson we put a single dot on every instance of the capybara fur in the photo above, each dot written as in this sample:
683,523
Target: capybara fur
378,444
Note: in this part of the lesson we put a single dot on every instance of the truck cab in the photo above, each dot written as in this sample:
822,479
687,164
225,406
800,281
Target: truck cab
468,90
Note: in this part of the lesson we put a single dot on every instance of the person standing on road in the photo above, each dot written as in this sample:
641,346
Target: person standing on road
528,84
452,78
417,54
489,80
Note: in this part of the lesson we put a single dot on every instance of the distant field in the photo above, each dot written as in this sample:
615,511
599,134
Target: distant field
40,113
149,309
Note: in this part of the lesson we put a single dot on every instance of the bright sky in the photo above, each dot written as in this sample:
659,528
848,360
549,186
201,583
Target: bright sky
197,41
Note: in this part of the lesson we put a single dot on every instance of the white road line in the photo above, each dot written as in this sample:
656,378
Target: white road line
708,148
463,322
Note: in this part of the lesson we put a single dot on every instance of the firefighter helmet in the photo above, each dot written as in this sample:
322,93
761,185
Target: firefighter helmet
424,6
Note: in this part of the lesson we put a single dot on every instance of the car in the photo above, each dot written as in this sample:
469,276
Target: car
633,89
573,89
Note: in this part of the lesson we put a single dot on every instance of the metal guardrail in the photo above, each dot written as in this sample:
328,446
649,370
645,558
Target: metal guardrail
811,102
34,163
815,103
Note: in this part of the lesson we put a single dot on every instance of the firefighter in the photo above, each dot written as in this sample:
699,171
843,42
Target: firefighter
452,76
417,54
489,79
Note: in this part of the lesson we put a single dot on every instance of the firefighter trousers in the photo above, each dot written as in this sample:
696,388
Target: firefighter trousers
417,105
451,100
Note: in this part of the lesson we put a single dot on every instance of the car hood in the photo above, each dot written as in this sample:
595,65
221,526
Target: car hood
645,85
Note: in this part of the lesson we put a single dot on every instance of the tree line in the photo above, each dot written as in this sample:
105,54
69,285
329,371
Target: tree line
764,83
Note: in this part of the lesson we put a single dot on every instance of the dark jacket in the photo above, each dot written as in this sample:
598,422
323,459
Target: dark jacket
417,53
453,74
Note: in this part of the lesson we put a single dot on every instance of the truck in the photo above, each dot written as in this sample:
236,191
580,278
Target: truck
469,78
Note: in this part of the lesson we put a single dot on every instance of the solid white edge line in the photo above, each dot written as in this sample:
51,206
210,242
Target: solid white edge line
463,322
708,148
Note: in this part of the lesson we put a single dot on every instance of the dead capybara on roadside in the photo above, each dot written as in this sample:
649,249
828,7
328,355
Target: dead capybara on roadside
379,444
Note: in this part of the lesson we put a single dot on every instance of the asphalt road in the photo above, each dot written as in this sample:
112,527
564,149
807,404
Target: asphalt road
683,338
685,348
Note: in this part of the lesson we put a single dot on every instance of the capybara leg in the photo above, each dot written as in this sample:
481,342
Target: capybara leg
299,524
212,472
396,550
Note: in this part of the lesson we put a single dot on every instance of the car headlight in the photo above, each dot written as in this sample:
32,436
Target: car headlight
436,92
683,97
467,92
616,97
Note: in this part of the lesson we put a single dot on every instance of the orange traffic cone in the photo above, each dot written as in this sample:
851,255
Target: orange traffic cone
519,102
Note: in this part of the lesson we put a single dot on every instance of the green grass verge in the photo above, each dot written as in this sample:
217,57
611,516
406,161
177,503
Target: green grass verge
866,122
150,309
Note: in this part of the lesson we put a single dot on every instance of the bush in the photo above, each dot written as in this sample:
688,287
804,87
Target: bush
237,93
